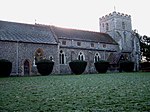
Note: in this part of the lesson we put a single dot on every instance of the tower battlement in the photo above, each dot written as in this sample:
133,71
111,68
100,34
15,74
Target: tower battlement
119,26
116,15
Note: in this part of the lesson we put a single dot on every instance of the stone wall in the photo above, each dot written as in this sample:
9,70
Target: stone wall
17,53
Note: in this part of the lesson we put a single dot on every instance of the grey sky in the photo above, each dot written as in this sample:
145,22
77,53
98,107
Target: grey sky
78,14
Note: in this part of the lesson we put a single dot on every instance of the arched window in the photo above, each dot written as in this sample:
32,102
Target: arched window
62,58
107,27
38,55
97,57
81,56
103,25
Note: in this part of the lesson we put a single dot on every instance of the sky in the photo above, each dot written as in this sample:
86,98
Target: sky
77,14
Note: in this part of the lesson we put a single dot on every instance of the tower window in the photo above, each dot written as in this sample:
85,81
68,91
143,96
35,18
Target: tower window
123,25
107,27
103,25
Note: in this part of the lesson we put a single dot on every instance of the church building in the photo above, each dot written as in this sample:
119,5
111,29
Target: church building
24,44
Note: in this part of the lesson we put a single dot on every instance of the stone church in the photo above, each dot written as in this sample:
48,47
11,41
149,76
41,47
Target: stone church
24,44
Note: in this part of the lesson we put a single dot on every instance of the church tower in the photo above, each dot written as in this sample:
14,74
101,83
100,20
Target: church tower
119,27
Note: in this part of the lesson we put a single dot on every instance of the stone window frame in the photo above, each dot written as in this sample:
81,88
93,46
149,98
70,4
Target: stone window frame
38,55
62,57
97,57
107,26
103,25
81,56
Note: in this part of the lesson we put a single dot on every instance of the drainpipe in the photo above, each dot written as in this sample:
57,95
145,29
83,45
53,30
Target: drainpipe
17,58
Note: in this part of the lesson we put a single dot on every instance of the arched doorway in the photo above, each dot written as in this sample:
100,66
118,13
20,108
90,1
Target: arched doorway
26,67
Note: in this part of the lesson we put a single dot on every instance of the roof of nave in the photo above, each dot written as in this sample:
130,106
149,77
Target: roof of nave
38,33
11,31
82,35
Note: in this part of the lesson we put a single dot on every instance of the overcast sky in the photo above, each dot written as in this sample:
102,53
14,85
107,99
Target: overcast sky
78,14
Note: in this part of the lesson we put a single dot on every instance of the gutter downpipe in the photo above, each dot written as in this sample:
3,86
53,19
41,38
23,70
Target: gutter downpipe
17,57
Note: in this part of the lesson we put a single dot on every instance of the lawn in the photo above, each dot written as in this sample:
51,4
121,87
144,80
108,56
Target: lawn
111,92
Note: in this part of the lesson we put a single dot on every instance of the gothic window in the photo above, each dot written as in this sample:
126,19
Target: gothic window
78,43
123,25
63,42
92,44
107,27
81,56
38,55
62,58
97,57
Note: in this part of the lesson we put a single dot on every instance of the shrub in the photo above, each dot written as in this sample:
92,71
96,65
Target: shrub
126,66
77,66
145,66
5,68
101,66
45,67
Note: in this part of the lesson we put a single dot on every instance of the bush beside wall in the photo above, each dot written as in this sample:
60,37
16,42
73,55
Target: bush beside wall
145,66
45,67
77,66
101,66
126,66
5,68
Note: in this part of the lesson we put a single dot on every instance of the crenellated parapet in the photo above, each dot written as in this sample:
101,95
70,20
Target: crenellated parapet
116,15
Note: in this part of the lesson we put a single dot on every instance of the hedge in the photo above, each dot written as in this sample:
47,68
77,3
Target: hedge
78,66
45,67
101,66
145,66
5,68
126,66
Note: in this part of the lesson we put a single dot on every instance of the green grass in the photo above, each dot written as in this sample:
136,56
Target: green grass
111,92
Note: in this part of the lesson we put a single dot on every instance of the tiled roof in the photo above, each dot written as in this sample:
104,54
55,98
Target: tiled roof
82,35
114,58
11,31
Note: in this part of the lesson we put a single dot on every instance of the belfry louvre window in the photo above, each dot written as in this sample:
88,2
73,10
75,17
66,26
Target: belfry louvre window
123,25
107,27
62,58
